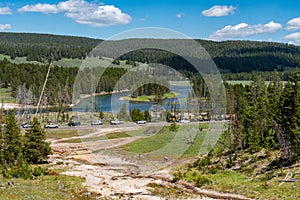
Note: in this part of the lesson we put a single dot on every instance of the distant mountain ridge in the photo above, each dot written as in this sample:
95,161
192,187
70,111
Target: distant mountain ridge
230,56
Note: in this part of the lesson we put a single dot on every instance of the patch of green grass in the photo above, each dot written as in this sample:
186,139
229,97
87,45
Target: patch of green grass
44,187
151,143
238,183
116,135
5,95
68,62
169,95
91,62
18,60
168,143
58,134
194,148
148,98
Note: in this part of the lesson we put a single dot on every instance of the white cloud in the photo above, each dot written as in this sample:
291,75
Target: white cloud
83,12
43,8
5,11
180,15
4,27
219,11
106,15
293,24
243,30
293,37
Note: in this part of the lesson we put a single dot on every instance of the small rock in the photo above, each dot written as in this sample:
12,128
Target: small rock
11,183
87,194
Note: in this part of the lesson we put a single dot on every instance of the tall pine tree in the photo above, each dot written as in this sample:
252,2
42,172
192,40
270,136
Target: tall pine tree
290,115
35,147
12,143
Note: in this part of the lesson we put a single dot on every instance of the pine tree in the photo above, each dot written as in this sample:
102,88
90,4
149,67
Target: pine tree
123,115
35,148
1,146
101,114
290,115
12,145
147,115
136,115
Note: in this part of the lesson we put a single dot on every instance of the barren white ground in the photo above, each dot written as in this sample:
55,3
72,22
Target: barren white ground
115,176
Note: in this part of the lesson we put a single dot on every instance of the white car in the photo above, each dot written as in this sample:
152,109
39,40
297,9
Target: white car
141,122
96,122
115,122
51,125
184,121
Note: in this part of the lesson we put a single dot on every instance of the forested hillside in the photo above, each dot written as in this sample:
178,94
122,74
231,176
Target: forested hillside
230,56
41,47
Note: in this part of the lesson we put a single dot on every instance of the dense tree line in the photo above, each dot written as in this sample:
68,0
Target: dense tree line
41,47
26,81
267,75
266,117
29,78
229,56
151,89
137,115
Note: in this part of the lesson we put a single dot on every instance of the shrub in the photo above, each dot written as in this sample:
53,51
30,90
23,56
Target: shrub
174,127
201,181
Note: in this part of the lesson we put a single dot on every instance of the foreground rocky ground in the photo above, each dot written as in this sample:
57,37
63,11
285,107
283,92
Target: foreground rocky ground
117,177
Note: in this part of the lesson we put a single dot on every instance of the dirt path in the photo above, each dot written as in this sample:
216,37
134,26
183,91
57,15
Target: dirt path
115,177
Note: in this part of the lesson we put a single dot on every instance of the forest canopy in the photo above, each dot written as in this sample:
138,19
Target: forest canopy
229,56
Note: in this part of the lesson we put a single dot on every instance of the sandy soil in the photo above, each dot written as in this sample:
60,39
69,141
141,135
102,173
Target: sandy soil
114,176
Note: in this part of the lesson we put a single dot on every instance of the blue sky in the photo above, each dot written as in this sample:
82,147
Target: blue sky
276,20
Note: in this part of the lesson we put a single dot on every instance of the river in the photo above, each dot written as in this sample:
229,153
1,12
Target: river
113,102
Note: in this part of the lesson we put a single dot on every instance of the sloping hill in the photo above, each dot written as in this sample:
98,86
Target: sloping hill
39,47
230,56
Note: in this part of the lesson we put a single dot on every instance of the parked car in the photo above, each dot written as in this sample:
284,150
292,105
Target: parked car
51,125
74,123
184,121
26,125
115,122
96,122
141,122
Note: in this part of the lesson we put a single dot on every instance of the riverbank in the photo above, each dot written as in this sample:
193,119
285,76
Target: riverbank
84,96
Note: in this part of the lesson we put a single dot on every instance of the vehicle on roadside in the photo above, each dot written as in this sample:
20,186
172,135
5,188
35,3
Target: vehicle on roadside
184,121
141,122
51,125
74,123
115,122
26,125
96,122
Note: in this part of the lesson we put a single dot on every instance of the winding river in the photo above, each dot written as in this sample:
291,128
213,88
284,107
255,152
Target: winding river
113,102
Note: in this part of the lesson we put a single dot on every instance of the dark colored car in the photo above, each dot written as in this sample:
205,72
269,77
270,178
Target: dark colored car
74,123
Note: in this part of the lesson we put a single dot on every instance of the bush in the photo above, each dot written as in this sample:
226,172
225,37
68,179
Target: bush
229,163
174,127
37,171
23,170
201,181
